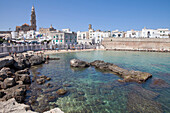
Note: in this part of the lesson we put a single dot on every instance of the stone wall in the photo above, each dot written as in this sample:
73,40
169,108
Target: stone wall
137,44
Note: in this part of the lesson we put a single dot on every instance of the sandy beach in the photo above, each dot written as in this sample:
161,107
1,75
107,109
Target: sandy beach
66,51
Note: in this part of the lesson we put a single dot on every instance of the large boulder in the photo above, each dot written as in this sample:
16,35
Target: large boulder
6,61
18,92
19,95
11,106
25,78
36,60
25,71
79,63
8,82
5,72
21,62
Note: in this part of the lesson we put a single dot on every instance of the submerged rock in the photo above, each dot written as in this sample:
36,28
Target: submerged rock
41,81
61,92
138,104
144,92
159,83
78,63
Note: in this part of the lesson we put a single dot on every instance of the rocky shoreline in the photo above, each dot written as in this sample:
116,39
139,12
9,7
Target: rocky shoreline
15,79
128,76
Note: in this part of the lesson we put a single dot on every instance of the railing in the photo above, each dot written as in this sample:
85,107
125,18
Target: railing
6,49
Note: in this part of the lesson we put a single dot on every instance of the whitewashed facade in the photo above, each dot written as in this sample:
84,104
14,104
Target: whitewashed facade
133,34
63,38
117,34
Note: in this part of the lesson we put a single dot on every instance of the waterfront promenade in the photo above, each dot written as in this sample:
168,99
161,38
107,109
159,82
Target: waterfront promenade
19,48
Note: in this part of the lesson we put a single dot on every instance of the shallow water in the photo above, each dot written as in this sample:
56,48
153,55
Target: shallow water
90,90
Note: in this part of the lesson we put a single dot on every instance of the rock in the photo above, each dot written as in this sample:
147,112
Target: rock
81,93
81,98
8,82
19,63
19,95
25,78
159,83
1,94
54,59
25,71
36,60
41,81
43,76
11,106
18,92
37,73
67,85
136,76
119,80
6,61
138,104
61,92
48,78
55,110
144,92
5,72
79,63
128,76
52,98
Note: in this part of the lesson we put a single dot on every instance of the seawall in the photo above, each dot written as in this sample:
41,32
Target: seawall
140,44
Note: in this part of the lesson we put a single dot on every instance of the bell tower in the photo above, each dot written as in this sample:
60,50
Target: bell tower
33,19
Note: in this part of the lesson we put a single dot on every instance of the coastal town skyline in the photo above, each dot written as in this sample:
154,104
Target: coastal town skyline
105,22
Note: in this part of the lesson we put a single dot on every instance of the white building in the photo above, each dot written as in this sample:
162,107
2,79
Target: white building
133,34
92,36
164,33
83,38
150,33
63,38
117,34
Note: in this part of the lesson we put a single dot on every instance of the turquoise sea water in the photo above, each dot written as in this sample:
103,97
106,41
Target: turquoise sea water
93,91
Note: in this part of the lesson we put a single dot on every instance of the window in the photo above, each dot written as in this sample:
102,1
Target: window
54,36
160,31
56,40
60,40
66,40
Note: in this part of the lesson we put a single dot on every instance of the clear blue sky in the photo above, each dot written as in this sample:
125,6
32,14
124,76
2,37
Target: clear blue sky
77,14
